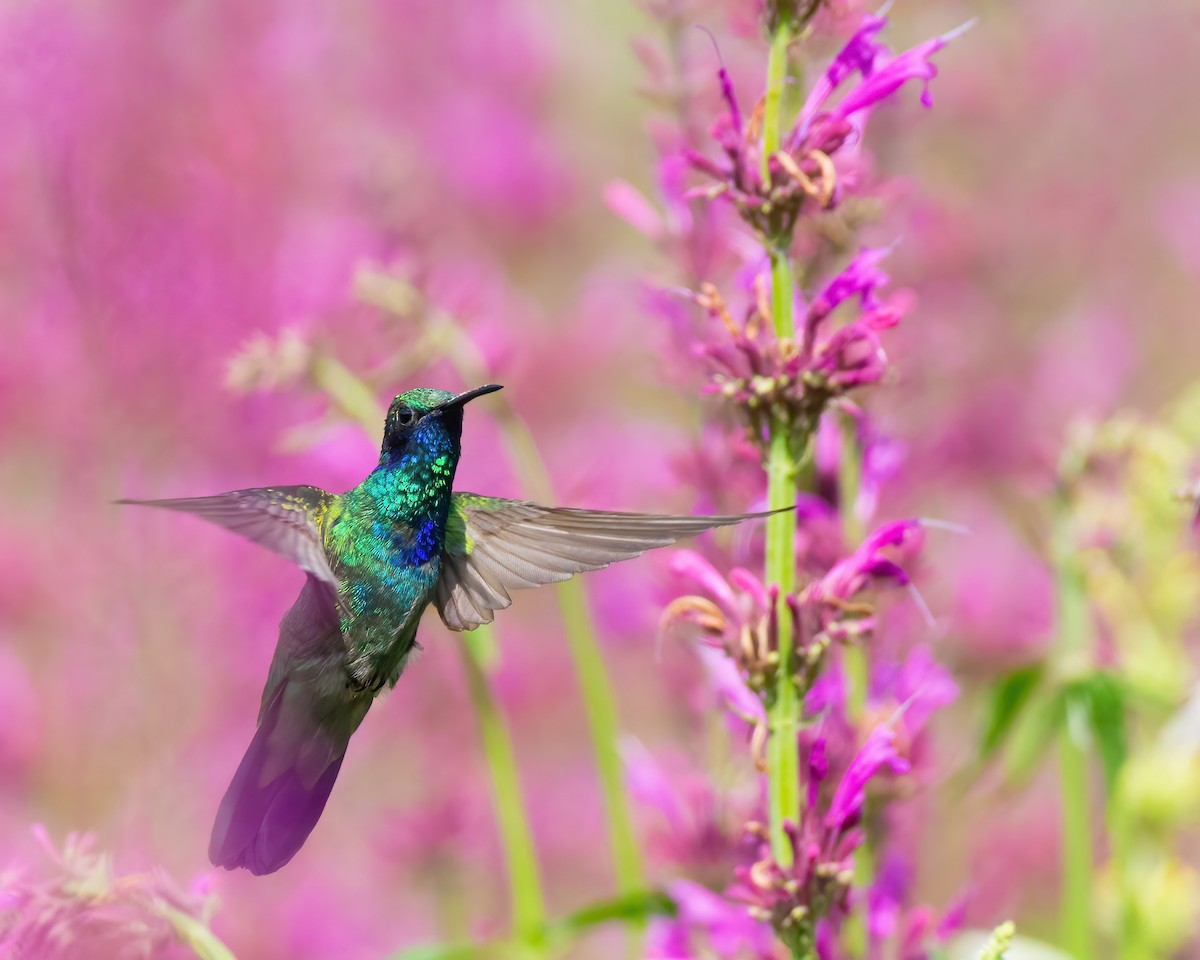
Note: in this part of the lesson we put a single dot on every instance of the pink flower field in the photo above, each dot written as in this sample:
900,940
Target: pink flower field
923,281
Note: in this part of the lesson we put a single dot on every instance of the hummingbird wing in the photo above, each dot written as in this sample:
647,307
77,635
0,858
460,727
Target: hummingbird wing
283,519
494,546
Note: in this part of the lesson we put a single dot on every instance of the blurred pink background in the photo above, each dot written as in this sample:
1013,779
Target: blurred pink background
179,180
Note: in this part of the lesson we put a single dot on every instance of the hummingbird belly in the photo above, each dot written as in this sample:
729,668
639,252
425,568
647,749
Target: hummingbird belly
386,600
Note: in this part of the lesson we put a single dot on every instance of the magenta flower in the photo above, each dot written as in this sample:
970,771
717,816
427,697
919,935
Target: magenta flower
803,174
882,457
917,688
726,681
881,74
816,886
879,752
914,930
739,617
669,939
758,372
700,829
851,575
731,932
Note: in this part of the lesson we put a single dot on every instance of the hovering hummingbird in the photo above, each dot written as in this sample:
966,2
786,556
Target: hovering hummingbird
376,556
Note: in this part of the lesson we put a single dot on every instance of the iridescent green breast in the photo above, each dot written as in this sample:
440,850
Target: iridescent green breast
384,540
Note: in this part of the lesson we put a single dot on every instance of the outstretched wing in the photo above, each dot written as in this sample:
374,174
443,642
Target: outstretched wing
282,519
494,546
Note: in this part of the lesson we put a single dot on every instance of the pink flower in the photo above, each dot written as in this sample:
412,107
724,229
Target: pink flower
878,753
756,371
880,81
915,688
740,620
731,932
700,829
803,174
80,908
915,930
628,203
816,886
851,575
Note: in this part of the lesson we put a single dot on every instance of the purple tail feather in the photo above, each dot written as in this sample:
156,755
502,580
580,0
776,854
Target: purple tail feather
282,783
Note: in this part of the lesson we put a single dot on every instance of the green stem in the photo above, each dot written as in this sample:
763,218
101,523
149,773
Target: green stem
783,769
773,104
1133,940
599,701
783,776
1073,627
348,392
601,708
528,910
203,942
783,287
1077,844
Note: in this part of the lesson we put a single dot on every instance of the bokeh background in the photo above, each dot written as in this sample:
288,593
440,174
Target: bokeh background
192,197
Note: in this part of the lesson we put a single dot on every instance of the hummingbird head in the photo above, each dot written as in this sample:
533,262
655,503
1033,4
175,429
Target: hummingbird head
427,419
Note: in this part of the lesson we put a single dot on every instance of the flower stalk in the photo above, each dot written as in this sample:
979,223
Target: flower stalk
525,885
783,769
1073,629
781,39
599,701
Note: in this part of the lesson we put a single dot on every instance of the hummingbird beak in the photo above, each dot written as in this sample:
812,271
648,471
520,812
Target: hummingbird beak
469,395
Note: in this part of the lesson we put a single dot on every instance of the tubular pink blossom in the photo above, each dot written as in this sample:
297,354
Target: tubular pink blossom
866,563
861,278
688,563
747,582
731,931
628,203
878,753
725,678
649,784
859,54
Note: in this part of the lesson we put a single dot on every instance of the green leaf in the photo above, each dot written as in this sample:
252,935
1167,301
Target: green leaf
631,908
1010,694
459,951
1100,697
1032,734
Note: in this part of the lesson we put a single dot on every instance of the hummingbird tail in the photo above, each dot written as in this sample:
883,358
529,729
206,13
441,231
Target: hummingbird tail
281,786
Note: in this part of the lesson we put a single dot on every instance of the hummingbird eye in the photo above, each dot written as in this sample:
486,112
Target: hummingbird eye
404,416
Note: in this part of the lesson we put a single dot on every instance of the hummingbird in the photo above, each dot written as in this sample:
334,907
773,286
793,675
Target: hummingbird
375,558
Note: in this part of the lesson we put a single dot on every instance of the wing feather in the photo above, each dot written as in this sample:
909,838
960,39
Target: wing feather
496,546
282,519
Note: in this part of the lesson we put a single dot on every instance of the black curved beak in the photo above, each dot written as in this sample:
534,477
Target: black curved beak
469,395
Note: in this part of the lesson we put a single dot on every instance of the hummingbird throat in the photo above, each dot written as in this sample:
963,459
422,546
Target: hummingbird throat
412,492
